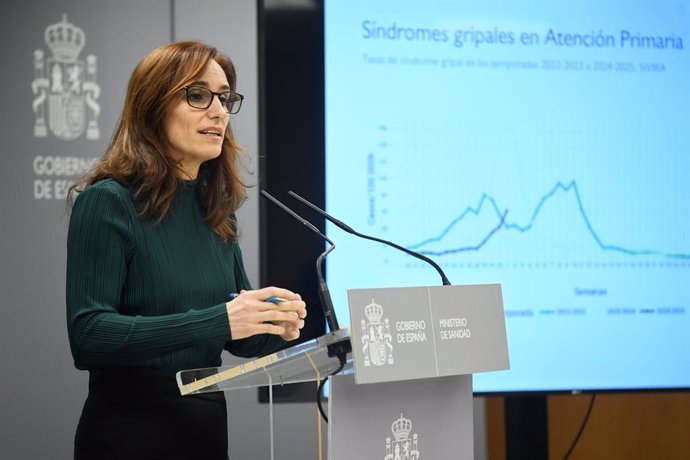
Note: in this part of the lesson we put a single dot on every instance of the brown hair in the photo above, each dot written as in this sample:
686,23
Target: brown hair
136,155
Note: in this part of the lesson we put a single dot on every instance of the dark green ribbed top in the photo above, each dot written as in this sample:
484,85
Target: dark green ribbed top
147,295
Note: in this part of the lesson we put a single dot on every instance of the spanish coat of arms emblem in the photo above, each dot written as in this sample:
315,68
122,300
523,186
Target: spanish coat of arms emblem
65,88
404,446
376,337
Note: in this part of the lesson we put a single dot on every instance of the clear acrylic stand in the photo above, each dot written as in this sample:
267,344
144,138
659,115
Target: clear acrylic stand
302,363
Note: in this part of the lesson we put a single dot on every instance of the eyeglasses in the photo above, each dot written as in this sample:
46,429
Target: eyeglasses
200,97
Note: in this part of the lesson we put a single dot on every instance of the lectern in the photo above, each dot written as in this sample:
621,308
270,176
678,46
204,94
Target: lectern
405,391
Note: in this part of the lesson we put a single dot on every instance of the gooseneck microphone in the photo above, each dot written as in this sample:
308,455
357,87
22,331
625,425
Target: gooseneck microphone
350,230
338,349
324,293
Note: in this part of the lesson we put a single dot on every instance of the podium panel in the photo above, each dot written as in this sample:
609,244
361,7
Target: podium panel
406,420
427,331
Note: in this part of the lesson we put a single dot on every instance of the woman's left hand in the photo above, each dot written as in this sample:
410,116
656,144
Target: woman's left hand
292,328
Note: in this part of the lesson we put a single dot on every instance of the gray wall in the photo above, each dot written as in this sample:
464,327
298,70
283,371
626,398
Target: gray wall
41,392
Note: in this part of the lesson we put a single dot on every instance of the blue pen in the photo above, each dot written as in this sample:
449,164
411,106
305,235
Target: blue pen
272,299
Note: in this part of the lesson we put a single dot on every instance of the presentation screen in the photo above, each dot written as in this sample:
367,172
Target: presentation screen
541,145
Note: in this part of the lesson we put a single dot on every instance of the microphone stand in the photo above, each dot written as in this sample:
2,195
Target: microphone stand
348,229
339,349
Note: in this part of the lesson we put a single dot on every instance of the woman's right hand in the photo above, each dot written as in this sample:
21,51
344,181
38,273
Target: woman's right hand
249,314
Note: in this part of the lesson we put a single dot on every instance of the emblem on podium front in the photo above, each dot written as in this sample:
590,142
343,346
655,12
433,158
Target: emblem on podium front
64,86
377,340
402,446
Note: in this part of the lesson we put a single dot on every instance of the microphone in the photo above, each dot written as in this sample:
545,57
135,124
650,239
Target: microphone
324,293
350,230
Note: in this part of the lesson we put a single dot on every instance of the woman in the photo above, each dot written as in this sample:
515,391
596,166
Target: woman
153,259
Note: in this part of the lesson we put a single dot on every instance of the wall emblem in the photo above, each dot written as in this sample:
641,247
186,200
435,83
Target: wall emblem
402,447
65,88
376,337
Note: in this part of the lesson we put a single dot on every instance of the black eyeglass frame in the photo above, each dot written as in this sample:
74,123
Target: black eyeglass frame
233,97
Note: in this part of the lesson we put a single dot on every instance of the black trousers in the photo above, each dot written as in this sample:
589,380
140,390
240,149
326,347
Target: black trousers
134,414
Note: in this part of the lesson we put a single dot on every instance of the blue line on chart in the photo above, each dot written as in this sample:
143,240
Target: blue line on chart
522,229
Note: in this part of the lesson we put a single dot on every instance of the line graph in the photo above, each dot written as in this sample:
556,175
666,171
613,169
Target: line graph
504,225
567,187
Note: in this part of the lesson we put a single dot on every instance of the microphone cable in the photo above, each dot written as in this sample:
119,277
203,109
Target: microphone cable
319,392
582,427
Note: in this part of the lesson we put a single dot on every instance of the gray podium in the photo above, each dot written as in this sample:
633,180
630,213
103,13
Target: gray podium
405,392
